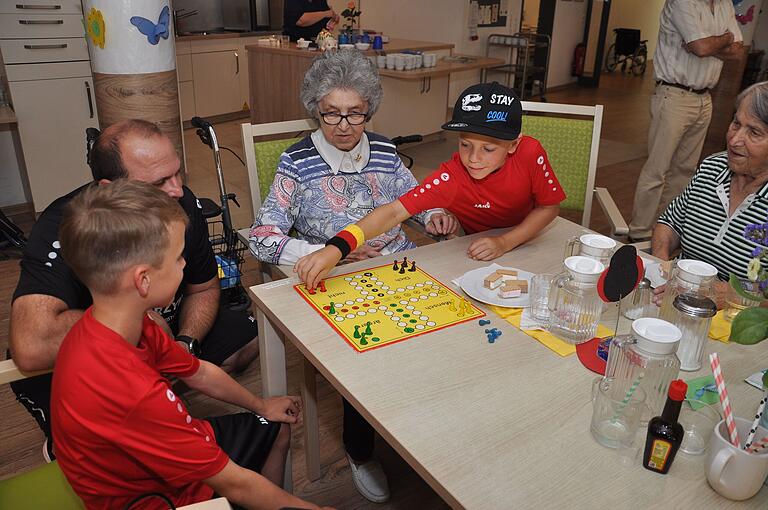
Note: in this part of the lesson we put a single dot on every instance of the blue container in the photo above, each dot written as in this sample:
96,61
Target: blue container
378,43
365,38
343,39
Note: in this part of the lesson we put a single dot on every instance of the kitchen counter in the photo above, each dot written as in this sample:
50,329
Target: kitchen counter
415,102
224,35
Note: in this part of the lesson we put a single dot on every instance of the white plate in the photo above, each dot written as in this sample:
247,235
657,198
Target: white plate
472,284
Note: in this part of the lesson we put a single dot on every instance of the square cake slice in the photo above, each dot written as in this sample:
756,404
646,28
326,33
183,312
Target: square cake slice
493,281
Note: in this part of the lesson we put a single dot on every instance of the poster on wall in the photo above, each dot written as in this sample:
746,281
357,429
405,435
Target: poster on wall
747,12
491,13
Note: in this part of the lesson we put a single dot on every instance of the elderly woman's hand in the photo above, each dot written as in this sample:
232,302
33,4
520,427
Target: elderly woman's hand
364,252
721,290
658,294
442,224
312,268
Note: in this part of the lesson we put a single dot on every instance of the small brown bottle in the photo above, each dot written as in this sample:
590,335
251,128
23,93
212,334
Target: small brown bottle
665,434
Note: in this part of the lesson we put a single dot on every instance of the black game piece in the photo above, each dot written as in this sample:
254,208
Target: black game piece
413,267
394,266
402,268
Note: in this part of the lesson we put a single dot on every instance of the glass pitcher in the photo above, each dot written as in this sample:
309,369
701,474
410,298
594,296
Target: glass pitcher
688,277
594,246
574,305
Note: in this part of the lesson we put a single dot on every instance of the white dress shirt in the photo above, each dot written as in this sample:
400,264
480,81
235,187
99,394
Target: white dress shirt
685,21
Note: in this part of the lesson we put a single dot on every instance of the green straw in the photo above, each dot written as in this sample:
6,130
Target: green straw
627,397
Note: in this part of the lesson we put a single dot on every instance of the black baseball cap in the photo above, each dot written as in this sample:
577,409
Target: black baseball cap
489,109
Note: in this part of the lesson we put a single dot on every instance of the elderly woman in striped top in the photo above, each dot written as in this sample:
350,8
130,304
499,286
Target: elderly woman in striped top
728,192
331,179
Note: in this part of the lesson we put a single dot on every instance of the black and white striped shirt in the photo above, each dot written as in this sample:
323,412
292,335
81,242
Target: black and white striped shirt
699,216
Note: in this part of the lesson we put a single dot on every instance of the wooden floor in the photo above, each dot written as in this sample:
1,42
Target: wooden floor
622,154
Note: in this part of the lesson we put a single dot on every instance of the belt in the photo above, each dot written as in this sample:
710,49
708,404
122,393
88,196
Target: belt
678,86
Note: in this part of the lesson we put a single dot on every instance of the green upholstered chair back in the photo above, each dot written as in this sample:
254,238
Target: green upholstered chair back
566,132
267,158
263,159
568,143
42,488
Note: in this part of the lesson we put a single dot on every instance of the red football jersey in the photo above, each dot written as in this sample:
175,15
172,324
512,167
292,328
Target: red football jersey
501,199
119,429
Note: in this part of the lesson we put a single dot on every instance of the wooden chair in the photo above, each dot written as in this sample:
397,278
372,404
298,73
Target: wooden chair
571,136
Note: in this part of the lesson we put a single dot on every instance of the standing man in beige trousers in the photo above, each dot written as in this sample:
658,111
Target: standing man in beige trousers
695,36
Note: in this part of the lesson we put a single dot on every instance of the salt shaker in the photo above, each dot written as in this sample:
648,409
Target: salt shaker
693,317
638,301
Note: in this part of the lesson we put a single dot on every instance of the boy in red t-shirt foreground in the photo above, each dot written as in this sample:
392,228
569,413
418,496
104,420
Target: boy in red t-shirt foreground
499,178
120,430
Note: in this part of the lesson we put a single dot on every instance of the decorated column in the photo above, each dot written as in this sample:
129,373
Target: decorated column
133,57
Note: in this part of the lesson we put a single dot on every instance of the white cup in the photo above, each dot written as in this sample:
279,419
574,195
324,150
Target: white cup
381,61
400,62
732,472
419,61
391,60
430,59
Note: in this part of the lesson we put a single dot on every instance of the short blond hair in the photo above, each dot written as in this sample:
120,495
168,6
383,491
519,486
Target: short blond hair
108,228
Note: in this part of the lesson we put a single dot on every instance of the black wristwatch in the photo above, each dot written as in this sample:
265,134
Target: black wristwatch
192,344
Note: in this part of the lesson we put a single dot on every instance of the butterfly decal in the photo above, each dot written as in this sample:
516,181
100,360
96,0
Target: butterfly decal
748,17
153,31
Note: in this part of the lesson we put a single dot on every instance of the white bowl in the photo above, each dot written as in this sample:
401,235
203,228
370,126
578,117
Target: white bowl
302,44
346,46
362,46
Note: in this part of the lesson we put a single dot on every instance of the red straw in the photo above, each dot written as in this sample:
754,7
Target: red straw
759,445
733,434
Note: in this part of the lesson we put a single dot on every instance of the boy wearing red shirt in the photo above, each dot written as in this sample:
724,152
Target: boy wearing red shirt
499,178
120,430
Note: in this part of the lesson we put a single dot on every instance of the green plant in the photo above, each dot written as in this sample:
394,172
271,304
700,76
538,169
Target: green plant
350,15
750,326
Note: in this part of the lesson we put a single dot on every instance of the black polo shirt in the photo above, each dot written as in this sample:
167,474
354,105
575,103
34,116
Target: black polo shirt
43,271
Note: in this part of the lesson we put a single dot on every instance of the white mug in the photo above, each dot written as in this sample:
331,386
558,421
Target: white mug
381,61
390,60
419,58
400,61
732,472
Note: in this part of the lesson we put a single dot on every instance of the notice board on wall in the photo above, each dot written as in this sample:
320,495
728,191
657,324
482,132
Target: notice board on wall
491,13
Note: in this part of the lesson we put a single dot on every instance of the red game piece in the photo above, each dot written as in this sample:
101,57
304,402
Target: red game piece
322,286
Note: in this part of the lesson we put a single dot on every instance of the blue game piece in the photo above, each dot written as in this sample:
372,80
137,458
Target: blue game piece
491,339
483,322
488,331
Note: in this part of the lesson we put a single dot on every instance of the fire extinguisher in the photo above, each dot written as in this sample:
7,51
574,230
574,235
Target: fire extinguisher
579,54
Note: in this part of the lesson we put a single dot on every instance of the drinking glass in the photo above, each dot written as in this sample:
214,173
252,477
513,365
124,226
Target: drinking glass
539,296
615,413
735,303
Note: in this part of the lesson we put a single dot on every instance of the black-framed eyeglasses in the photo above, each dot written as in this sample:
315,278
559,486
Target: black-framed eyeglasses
353,119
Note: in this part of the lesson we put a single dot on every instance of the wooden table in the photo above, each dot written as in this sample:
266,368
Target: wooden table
502,425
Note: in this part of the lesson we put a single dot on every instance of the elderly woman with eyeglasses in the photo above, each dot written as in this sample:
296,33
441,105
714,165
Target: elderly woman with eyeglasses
328,180
339,173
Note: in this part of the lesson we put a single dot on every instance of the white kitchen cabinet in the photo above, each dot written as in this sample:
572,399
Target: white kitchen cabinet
217,82
52,116
51,87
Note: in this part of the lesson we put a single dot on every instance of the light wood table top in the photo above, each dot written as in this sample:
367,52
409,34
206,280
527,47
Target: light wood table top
444,68
503,425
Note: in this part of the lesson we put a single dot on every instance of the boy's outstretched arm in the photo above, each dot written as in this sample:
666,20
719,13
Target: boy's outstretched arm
312,268
489,248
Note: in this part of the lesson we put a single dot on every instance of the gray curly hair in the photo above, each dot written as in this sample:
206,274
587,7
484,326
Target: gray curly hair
341,69
757,95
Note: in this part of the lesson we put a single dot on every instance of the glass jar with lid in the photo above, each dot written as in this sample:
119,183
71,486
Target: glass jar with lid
693,315
646,358
688,277
574,305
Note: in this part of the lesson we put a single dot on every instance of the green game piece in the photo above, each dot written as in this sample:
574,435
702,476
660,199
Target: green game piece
332,310
357,333
368,329
375,339
409,330
363,341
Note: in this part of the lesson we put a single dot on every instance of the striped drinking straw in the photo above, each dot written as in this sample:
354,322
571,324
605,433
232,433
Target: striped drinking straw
759,446
733,434
627,397
756,423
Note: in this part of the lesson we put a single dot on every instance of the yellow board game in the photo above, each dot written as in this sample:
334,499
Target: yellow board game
387,304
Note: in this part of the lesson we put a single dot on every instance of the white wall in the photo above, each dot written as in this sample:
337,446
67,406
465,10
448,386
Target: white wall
643,15
567,32
433,20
